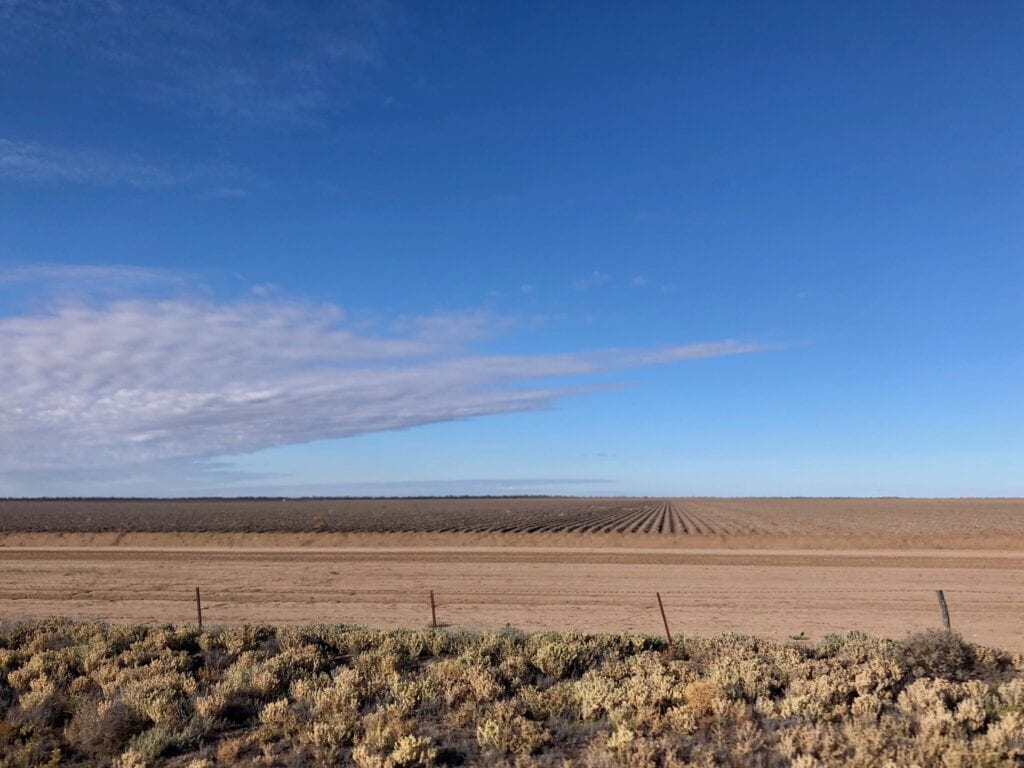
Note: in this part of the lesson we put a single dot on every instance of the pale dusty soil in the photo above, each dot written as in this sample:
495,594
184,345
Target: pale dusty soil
773,567
936,540
774,593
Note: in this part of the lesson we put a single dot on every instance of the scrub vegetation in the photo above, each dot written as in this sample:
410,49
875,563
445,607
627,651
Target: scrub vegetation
138,695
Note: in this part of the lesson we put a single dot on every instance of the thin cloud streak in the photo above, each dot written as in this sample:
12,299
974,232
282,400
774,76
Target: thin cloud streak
594,280
183,55
485,486
31,162
144,383
86,273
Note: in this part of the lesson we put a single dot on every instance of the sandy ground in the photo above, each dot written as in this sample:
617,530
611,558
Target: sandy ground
776,592
892,539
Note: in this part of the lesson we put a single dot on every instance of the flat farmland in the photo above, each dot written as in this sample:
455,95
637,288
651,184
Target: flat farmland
874,523
487,515
771,567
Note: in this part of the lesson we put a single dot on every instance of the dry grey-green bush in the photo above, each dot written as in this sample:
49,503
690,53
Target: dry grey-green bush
940,653
134,696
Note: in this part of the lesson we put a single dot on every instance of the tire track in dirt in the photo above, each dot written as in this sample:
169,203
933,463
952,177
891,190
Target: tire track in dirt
600,589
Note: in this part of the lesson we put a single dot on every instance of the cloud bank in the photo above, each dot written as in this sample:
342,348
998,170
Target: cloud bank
95,388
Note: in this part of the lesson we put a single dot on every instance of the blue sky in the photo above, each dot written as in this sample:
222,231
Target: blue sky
376,248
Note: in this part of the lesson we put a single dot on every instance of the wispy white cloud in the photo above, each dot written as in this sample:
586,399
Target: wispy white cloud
195,57
454,326
593,280
212,478
636,358
225,193
78,274
483,486
264,290
131,384
29,161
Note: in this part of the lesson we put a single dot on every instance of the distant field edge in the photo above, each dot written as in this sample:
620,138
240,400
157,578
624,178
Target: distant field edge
686,523
458,540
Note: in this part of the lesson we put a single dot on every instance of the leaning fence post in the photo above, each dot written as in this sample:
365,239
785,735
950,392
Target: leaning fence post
664,620
433,611
199,610
943,608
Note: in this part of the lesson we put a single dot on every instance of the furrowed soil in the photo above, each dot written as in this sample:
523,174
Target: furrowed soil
770,567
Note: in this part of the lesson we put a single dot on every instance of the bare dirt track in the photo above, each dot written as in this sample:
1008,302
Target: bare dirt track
774,594
770,567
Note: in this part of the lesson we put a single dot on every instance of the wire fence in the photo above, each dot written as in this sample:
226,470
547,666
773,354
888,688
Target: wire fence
430,600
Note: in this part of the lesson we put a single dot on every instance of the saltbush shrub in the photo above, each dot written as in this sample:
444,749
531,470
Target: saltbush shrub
146,696
937,653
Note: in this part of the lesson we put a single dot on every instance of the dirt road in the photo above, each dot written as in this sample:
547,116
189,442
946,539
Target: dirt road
771,593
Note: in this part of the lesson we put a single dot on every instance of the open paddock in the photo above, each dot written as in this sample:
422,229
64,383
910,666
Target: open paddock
771,567
774,594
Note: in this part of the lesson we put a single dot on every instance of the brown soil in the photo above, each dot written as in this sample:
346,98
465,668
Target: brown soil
905,520
770,567
775,594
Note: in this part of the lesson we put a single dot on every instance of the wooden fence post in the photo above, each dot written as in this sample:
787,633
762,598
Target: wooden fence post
433,611
943,608
664,620
199,610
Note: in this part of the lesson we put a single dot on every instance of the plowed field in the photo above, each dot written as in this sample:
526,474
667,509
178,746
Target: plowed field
993,523
773,567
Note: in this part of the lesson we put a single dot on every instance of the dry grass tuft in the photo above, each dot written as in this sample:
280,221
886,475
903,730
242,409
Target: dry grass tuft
138,696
